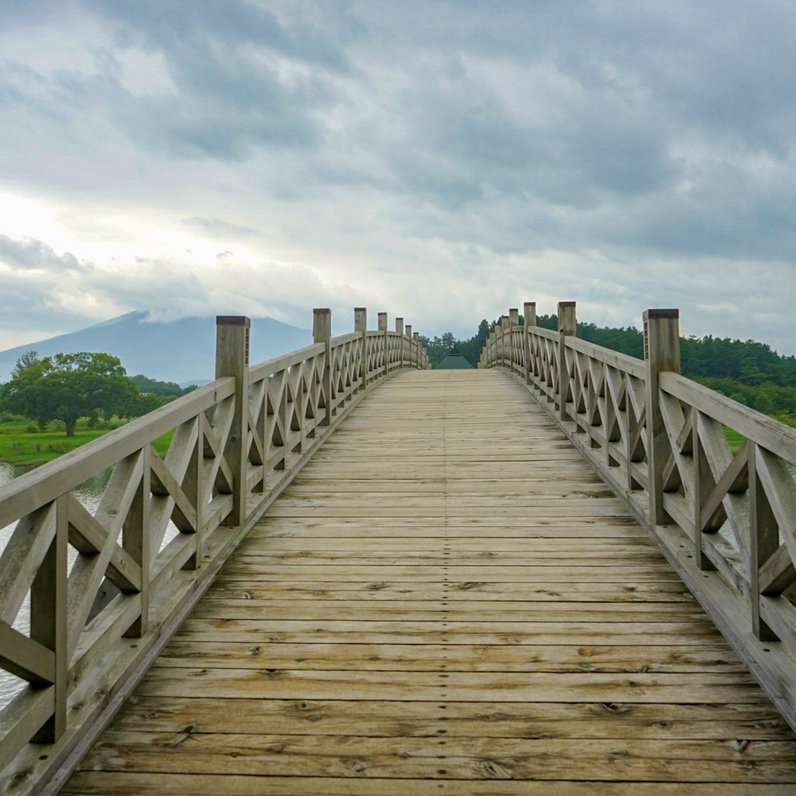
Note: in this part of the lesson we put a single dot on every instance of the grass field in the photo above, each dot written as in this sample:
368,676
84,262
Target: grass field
22,442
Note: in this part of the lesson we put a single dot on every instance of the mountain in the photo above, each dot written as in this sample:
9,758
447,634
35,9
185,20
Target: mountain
182,351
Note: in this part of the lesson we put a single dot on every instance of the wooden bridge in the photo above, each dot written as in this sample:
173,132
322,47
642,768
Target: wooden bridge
351,574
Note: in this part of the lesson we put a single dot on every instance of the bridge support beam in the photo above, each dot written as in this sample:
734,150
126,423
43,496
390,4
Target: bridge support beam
232,359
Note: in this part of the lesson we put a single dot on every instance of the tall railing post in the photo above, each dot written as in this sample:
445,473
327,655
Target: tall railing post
322,333
361,326
408,333
399,330
416,345
232,359
661,353
503,339
567,325
514,322
385,361
529,317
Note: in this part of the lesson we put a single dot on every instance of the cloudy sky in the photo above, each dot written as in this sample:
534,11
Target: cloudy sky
443,160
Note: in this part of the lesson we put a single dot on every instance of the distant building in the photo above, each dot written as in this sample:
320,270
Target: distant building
454,361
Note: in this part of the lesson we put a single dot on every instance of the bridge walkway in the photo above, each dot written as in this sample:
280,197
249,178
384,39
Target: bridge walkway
446,600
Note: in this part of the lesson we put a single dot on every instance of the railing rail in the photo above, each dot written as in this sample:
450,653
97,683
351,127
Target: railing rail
163,528
724,518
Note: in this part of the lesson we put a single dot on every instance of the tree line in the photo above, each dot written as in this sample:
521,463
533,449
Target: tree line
747,371
68,387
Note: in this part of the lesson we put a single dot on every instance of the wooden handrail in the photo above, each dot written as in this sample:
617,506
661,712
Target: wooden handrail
163,528
724,519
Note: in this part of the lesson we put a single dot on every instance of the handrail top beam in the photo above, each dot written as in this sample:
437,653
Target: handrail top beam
38,487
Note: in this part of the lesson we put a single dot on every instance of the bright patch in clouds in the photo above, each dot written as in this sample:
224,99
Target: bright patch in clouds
441,162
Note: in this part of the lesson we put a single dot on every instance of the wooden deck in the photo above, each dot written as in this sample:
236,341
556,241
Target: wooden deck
446,600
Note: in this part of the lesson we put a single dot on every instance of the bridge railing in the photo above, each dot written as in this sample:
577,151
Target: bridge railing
724,515
89,596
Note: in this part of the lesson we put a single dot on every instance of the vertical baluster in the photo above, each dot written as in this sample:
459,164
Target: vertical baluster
136,541
764,542
48,605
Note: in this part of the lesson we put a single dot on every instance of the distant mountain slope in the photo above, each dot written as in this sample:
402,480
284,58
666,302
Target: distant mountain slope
181,350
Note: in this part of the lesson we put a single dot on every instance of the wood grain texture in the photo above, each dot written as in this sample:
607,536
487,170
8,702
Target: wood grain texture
446,601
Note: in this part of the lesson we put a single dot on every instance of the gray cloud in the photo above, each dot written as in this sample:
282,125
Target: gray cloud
33,254
639,143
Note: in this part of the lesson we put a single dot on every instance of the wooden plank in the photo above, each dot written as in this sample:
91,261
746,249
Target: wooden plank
385,719
103,783
468,758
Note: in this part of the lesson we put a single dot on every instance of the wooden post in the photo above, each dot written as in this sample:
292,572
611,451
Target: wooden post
764,541
502,347
408,333
567,324
661,353
514,322
322,333
385,341
361,326
529,316
416,343
399,328
48,606
232,359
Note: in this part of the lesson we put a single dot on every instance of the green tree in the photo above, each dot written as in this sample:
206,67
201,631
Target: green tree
68,386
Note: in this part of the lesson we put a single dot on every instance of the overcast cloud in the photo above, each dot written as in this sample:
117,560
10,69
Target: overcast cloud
443,161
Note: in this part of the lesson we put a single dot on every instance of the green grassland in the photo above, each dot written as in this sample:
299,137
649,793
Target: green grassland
23,442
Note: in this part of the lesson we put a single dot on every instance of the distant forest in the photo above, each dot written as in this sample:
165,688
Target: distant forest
749,372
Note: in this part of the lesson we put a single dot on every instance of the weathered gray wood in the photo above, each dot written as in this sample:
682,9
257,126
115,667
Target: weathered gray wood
372,637
624,362
48,620
322,334
662,353
529,321
232,359
29,491
754,426
136,540
567,325
361,326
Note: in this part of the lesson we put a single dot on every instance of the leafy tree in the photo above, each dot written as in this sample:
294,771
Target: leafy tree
149,386
69,386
